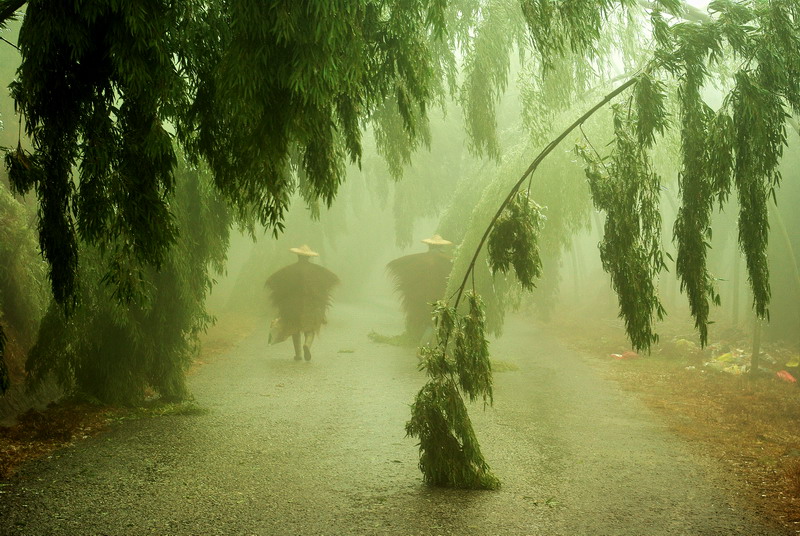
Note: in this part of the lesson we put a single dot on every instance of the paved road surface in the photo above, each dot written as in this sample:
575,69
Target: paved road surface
318,448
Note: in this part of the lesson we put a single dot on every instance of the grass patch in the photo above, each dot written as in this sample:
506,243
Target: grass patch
402,340
37,434
498,365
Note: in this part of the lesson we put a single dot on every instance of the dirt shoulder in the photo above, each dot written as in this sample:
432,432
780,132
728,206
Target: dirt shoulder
752,426
37,433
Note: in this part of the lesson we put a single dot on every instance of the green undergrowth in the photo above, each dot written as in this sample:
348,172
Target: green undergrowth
158,408
402,340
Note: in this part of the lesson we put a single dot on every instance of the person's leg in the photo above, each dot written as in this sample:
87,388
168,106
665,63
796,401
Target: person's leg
307,346
296,341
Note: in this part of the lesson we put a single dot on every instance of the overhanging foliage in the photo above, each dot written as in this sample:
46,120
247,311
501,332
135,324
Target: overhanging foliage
741,144
273,97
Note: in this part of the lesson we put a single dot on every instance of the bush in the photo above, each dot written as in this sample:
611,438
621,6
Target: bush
23,288
136,327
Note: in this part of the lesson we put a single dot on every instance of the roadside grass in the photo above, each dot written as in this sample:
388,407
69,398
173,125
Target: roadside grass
38,433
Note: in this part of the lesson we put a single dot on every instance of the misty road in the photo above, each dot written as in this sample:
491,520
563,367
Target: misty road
290,448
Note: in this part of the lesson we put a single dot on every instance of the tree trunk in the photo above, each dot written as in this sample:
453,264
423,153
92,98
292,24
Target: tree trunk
755,359
736,288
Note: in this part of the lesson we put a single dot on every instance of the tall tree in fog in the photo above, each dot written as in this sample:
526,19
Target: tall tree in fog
751,49
269,96
273,98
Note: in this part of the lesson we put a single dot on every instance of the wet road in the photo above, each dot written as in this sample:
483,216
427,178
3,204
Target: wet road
319,448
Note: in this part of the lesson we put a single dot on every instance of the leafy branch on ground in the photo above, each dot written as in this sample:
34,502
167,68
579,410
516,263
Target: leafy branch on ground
457,366
449,452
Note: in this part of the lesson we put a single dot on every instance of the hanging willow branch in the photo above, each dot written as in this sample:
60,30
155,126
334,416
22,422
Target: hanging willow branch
738,146
449,452
528,172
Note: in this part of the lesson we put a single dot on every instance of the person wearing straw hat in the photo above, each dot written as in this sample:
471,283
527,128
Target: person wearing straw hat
421,279
302,294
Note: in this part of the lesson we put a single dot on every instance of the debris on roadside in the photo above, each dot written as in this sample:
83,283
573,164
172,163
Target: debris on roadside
786,376
625,355
776,360
778,363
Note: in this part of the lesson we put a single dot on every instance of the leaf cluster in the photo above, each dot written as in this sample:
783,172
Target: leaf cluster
498,30
483,190
458,366
282,89
96,85
740,144
624,185
514,240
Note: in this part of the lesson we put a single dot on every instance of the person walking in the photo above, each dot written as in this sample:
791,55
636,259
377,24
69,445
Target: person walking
421,279
301,292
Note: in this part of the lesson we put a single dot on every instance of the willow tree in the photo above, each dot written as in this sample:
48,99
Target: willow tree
751,49
269,96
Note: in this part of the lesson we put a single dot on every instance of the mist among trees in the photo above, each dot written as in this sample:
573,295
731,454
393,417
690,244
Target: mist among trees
143,133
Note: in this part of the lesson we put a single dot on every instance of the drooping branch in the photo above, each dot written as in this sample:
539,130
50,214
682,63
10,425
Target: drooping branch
8,42
531,168
694,14
8,9
689,13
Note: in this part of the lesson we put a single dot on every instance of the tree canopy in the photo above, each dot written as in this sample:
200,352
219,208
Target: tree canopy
271,96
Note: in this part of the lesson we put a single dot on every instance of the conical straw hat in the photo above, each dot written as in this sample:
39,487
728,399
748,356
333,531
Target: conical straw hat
437,240
305,251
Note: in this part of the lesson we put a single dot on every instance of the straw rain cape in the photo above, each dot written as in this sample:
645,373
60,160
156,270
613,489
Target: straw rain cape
420,279
302,294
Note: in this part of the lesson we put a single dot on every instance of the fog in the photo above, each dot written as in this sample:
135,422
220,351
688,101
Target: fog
441,326
377,219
